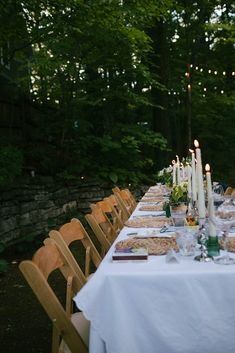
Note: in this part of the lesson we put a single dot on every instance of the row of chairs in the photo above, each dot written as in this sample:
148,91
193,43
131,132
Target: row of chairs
107,217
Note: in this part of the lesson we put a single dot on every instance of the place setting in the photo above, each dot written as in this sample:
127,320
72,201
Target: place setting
148,222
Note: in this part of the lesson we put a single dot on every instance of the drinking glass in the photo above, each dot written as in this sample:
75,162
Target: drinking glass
218,195
186,242
223,225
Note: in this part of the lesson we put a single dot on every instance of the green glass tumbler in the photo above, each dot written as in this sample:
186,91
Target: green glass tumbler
213,247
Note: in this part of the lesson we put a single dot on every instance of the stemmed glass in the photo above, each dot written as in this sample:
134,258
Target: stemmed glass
223,225
218,194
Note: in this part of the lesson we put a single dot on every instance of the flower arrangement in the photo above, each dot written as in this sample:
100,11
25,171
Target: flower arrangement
179,193
178,199
164,176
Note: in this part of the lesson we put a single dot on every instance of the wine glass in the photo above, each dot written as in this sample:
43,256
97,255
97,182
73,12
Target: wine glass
186,242
218,194
223,225
218,189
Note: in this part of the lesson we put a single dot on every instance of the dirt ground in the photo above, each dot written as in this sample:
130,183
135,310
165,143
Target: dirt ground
24,326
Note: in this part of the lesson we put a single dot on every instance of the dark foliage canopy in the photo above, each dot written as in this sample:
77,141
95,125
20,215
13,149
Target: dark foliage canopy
115,89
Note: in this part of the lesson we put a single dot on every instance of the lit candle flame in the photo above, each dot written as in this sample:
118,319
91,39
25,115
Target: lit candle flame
173,162
207,167
196,143
191,150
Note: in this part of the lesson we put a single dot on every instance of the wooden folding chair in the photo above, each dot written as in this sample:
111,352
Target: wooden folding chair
70,331
66,235
131,199
228,191
111,215
112,199
102,228
233,193
124,200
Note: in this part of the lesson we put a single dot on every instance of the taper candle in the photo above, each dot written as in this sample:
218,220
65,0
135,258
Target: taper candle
211,210
194,191
201,195
174,173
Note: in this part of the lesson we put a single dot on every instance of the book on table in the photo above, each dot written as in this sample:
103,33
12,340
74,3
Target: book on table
130,254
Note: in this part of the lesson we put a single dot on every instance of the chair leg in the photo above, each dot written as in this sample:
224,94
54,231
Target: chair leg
55,340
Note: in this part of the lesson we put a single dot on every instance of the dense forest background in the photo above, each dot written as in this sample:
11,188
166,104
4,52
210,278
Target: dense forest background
115,89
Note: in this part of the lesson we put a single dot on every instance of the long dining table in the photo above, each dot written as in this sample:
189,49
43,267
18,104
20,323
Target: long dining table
156,306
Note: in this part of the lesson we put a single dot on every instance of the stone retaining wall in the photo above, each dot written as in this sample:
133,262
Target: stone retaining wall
32,208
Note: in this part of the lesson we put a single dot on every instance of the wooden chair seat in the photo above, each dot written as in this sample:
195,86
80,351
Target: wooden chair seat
82,325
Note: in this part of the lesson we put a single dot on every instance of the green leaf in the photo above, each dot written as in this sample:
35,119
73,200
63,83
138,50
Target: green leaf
113,177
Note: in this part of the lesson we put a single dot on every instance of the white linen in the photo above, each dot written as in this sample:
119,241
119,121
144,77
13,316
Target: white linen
157,307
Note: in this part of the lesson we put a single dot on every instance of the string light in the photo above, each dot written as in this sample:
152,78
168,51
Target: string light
210,71
200,69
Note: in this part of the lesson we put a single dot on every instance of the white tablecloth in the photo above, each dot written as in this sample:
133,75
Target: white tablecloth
156,307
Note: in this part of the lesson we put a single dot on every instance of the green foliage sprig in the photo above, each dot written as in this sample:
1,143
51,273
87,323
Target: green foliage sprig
164,176
179,193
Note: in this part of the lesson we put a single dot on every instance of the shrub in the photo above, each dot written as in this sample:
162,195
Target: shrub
11,160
